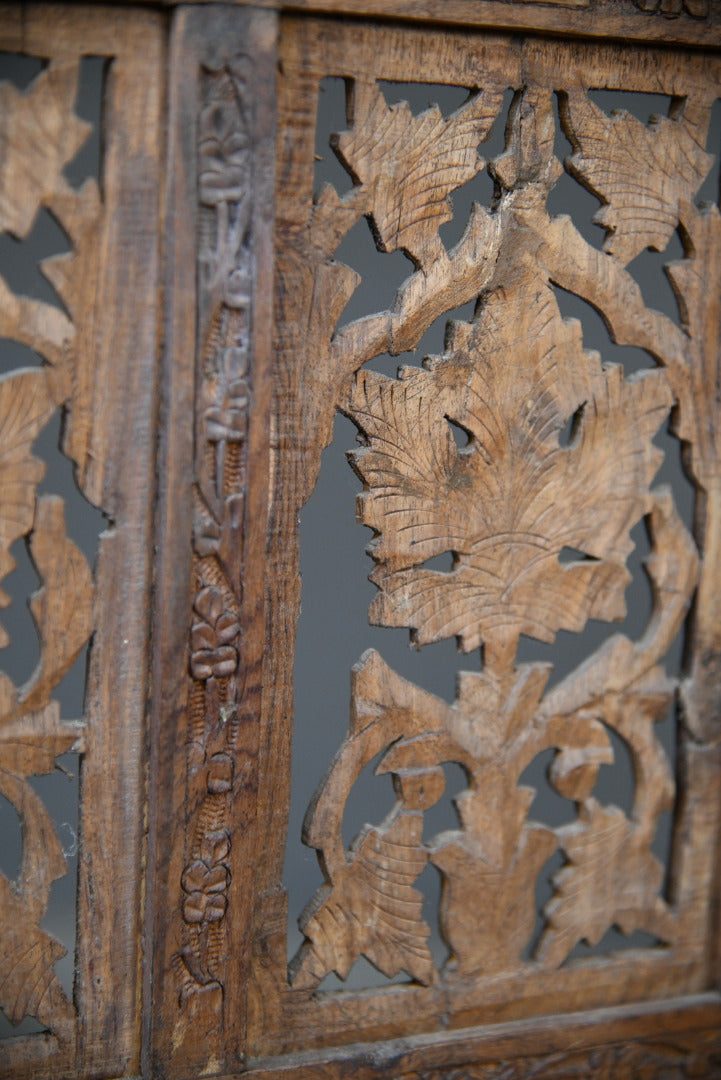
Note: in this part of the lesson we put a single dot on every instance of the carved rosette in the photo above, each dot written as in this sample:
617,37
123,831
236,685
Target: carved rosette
464,455
219,498
40,134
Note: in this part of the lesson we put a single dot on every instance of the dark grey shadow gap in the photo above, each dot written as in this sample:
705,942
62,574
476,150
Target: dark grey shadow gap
710,190
643,106
433,343
370,801
614,940
481,188
596,335
84,523
330,120
14,355
89,106
20,70
421,96
20,259
440,563
381,274
70,691
548,807
20,657
647,269
543,893
59,791
570,198
571,649
615,784
11,847
429,885
27,1026
443,814
362,976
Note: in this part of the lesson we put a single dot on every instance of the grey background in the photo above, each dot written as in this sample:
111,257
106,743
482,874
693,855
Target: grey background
333,630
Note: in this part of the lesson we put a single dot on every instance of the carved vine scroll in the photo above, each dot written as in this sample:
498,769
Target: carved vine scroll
221,470
511,447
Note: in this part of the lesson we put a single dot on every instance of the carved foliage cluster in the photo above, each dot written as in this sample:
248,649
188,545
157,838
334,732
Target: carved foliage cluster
512,447
219,496
39,135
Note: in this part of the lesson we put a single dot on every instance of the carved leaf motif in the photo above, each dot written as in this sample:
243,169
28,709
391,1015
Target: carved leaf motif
511,381
611,877
372,908
25,408
640,173
39,135
410,165
28,983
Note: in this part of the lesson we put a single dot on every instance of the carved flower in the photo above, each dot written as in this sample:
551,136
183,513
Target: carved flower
206,880
212,654
223,154
227,418
220,774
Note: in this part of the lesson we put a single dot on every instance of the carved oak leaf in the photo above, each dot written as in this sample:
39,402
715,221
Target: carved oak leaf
39,135
25,407
640,173
62,607
611,877
409,165
371,907
511,381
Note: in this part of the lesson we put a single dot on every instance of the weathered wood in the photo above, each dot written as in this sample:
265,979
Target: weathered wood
208,671
684,22
464,456
511,381
100,359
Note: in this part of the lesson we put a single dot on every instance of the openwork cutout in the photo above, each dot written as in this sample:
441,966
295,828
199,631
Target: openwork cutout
40,723
537,520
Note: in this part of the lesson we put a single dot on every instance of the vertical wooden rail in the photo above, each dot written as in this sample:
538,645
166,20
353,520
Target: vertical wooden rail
102,364
212,525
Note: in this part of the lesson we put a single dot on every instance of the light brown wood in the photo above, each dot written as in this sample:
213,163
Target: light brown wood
523,457
99,365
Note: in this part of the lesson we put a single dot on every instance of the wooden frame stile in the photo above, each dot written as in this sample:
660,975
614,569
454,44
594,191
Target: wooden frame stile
212,549
100,365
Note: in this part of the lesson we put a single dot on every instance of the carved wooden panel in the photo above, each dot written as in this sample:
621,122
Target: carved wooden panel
511,446
462,455
97,367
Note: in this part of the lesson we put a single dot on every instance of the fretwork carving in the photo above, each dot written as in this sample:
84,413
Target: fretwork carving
469,455
40,134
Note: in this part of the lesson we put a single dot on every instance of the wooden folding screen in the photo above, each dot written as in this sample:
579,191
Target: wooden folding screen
200,356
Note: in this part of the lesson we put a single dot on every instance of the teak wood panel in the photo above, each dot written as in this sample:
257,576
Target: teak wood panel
256,362
99,356
237,773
